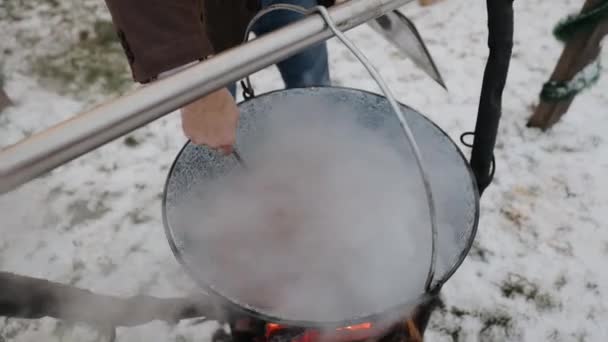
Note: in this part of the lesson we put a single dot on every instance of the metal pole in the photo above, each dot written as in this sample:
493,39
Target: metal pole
72,138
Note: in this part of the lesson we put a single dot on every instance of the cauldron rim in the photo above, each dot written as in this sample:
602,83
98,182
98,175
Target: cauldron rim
425,297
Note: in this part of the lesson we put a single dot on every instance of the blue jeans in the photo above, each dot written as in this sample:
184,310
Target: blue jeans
308,68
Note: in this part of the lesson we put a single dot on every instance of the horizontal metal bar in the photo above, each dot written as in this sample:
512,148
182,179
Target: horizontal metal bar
87,131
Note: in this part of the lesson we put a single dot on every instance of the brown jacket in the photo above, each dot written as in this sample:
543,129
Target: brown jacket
159,35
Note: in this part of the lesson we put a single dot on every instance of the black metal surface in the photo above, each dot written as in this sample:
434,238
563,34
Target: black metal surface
500,42
403,34
451,179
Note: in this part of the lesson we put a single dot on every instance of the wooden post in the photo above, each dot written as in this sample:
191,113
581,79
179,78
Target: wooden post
580,51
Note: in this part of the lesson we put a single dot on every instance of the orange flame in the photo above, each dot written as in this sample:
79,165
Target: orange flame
311,335
271,328
362,326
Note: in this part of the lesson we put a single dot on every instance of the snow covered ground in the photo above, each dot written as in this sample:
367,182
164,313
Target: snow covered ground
537,271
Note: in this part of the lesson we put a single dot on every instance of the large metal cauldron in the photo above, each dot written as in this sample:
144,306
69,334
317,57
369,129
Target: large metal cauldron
453,186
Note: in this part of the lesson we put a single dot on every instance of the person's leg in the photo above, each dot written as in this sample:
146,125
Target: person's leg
232,88
308,68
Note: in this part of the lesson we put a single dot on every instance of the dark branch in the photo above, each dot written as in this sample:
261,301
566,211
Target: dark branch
32,298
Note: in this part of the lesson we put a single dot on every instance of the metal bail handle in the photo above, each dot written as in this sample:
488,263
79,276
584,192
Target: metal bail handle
249,93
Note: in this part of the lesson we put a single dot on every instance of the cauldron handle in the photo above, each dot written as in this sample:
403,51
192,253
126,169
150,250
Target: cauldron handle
248,93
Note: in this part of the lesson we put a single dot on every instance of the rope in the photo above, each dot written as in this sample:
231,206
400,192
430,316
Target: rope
575,23
554,91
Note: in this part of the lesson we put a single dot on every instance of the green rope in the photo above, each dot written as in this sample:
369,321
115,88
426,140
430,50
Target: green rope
565,30
559,90
587,21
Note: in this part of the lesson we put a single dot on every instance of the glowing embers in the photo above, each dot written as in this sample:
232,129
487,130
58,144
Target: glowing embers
277,332
404,331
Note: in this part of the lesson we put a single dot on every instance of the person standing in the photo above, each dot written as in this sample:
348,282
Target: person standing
160,37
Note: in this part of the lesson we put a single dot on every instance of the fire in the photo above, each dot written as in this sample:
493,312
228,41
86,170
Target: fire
350,332
357,332
274,327
361,326
271,328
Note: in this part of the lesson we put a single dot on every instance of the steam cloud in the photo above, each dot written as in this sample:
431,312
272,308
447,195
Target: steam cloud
327,222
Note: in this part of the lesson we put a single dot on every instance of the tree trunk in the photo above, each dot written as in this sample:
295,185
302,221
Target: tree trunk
580,51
